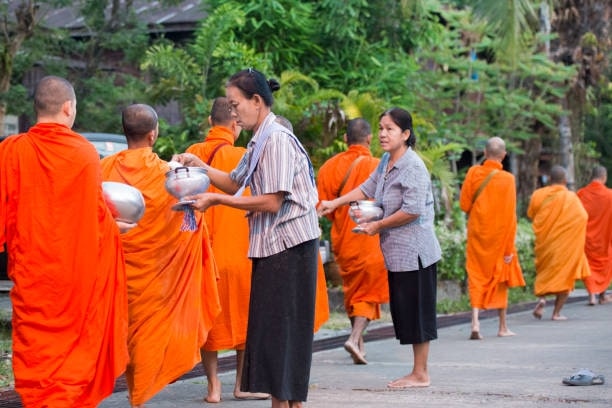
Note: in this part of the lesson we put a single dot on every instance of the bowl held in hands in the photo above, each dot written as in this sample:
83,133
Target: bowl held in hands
185,181
125,202
364,211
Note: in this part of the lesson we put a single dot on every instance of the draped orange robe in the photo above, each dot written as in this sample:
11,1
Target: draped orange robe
597,201
229,237
361,262
172,293
229,225
65,259
491,233
559,222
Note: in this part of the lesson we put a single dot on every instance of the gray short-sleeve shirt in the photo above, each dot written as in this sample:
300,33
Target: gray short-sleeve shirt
406,187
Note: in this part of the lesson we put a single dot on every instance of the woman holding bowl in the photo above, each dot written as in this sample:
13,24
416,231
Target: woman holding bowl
401,185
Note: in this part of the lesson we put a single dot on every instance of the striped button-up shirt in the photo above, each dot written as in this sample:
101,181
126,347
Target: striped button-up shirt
406,187
282,167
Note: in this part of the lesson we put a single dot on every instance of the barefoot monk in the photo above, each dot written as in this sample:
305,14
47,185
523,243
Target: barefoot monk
172,293
559,222
488,196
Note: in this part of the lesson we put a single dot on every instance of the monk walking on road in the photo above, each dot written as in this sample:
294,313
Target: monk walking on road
362,266
559,222
488,196
597,201
65,259
172,293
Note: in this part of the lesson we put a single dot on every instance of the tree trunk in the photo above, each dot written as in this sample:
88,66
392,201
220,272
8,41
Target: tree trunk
528,170
566,148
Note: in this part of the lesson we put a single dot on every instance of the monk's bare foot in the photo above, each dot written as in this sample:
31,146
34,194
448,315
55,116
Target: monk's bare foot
603,299
409,381
241,395
353,350
539,309
214,391
505,333
559,317
475,335
591,299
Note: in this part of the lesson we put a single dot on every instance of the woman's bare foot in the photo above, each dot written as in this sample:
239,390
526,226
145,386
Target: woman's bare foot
214,391
505,333
409,381
559,317
539,309
242,395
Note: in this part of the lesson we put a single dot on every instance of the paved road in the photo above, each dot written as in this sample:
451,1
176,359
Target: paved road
521,371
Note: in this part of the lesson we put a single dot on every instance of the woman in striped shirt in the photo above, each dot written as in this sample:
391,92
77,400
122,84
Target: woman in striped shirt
284,241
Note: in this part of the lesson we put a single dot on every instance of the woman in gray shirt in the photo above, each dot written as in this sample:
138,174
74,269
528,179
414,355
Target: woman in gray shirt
401,185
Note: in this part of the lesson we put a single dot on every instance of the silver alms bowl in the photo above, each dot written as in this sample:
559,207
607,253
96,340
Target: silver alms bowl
125,202
365,211
186,181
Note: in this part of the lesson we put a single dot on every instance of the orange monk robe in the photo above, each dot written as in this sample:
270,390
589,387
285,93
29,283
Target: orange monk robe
69,296
229,236
491,233
597,201
321,300
227,227
559,222
362,266
172,293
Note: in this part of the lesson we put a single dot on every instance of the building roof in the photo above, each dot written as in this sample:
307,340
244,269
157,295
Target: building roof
160,18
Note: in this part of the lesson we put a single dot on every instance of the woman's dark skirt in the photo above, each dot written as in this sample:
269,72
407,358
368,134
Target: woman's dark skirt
278,350
412,302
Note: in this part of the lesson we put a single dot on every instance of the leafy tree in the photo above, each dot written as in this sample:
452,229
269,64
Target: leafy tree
20,32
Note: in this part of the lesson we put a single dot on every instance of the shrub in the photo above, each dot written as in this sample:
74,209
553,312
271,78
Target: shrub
452,242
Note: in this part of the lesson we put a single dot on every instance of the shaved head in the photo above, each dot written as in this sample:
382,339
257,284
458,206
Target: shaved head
220,114
357,131
495,148
138,120
558,175
599,173
51,93
283,121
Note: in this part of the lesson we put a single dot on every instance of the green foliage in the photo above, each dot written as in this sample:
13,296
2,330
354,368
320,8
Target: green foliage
524,246
452,242
100,107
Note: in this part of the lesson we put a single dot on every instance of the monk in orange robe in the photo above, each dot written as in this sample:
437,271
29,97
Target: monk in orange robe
321,298
488,196
69,296
229,236
361,262
172,293
559,222
597,201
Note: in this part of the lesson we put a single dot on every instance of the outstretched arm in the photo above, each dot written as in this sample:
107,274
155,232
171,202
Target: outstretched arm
218,178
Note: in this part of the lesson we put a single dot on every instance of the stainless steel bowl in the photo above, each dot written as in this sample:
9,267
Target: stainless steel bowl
365,211
125,202
185,181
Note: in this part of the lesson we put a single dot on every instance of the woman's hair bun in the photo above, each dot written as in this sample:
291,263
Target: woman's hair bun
273,84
